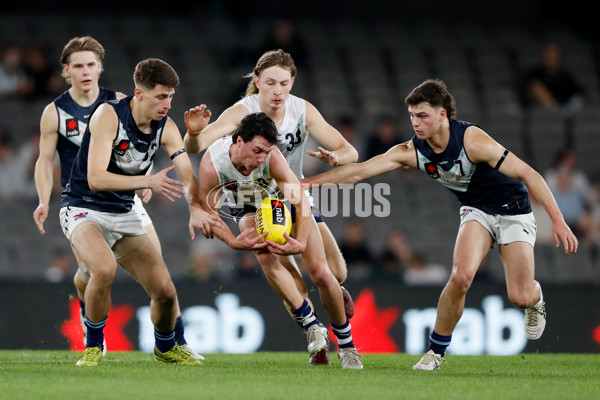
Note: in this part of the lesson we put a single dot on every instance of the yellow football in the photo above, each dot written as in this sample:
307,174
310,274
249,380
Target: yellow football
273,217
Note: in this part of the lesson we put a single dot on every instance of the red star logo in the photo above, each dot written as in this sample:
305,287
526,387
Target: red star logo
596,335
116,340
71,124
370,325
431,168
123,145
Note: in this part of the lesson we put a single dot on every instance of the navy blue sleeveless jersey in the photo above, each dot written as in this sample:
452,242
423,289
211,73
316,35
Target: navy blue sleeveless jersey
132,154
72,122
476,185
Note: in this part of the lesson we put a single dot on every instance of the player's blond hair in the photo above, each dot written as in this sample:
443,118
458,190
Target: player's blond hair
270,59
77,44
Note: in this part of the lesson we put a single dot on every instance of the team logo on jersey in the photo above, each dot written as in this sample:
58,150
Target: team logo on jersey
72,127
121,147
432,170
231,186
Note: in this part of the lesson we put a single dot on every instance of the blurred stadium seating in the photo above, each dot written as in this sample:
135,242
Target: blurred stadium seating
359,68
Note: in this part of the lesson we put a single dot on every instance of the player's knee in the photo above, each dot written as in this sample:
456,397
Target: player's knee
321,277
519,299
338,269
266,260
104,275
340,275
337,264
165,295
460,281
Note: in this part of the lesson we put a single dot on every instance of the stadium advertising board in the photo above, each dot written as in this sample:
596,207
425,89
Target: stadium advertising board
248,317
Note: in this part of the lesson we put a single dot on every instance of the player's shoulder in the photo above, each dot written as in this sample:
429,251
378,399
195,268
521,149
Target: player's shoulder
207,169
104,112
474,134
229,119
49,119
401,153
238,109
50,107
106,107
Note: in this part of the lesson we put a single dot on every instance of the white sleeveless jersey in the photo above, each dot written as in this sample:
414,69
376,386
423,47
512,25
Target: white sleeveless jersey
291,134
238,188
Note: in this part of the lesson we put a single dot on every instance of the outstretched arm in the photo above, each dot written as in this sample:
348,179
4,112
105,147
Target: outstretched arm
336,149
200,136
199,218
482,148
102,126
289,185
210,195
401,155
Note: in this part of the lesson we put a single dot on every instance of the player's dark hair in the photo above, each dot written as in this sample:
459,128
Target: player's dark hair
77,44
256,124
434,92
153,71
268,60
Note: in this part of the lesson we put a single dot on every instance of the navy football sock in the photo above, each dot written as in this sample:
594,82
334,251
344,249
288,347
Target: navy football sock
95,332
343,334
179,338
164,342
305,316
439,343
82,306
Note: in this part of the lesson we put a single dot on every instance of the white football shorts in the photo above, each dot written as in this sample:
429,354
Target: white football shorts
138,207
113,225
503,228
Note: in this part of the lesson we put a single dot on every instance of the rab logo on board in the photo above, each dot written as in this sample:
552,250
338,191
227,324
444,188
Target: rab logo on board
121,147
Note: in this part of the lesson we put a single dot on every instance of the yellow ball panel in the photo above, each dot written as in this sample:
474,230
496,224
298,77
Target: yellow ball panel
275,218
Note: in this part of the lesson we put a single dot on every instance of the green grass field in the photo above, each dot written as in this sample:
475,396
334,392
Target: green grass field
28,374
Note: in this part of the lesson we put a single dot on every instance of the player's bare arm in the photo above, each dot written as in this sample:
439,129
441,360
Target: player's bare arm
290,186
43,175
146,194
481,148
335,149
196,119
209,197
224,125
199,218
401,155
103,126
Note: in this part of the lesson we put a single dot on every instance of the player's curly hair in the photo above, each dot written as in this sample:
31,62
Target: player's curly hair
153,71
77,44
434,92
267,60
256,124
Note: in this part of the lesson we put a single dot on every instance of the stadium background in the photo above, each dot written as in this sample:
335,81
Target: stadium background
363,60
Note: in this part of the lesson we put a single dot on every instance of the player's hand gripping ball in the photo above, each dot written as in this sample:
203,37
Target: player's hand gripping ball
273,217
